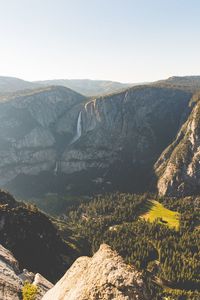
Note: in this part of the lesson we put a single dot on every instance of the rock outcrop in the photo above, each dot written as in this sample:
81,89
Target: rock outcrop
42,284
10,283
12,280
178,168
103,276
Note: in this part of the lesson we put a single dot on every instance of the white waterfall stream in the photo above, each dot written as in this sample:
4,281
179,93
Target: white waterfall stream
56,169
78,129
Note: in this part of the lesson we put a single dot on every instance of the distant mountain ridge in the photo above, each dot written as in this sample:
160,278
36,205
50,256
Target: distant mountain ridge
12,84
89,87
191,83
86,87
94,88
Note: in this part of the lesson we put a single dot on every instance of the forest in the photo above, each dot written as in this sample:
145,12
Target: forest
168,258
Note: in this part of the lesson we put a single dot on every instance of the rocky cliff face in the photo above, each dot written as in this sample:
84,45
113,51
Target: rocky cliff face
123,134
29,139
178,168
12,279
54,139
104,276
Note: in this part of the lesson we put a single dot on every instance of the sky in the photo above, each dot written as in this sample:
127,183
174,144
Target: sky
120,40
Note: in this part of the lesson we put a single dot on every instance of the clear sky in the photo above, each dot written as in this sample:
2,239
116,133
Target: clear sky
123,40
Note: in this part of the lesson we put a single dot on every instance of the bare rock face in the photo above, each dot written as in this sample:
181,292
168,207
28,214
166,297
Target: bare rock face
103,276
178,168
124,134
12,280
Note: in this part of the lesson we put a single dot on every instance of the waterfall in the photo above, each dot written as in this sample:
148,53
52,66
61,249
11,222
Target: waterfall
56,169
78,129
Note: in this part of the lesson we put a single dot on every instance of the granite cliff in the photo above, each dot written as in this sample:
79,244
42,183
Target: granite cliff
53,139
30,134
178,168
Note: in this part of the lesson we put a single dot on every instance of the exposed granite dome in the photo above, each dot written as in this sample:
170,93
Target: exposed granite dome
103,276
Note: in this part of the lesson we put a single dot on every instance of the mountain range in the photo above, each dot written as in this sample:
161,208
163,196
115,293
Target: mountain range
87,87
55,140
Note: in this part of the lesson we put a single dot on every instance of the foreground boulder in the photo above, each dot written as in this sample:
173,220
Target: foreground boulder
12,280
103,276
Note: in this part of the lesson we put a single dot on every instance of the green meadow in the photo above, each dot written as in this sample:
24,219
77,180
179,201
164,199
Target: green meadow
156,211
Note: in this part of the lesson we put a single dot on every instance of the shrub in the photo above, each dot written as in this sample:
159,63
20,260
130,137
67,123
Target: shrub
29,291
